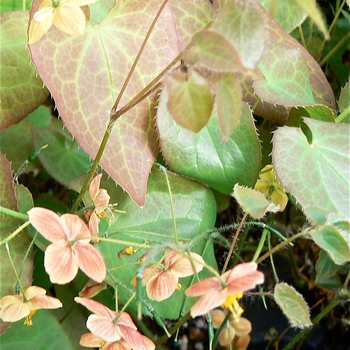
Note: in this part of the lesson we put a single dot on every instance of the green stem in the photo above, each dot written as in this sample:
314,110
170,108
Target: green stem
173,329
13,213
343,115
304,332
261,244
334,50
15,271
280,246
15,233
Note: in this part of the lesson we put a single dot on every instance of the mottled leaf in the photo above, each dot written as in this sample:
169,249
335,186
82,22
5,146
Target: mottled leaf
190,100
293,305
21,89
326,272
286,77
228,101
85,73
316,173
202,155
287,12
243,23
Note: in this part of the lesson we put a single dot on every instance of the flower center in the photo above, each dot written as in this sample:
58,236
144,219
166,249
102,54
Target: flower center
231,300
55,3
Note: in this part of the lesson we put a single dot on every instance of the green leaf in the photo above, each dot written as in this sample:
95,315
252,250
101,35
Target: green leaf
253,202
69,160
243,23
286,77
330,239
287,12
317,174
85,75
45,330
14,5
190,100
293,305
326,272
18,246
202,155
344,101
228,103
213,51
195,212
21,89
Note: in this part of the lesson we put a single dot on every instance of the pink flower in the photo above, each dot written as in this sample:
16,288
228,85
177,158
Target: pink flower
100,199
216,291
90,340
70,248
161,281
16,307
110,326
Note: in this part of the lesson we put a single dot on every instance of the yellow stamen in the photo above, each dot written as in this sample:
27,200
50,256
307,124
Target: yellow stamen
230,299
179,286
28,321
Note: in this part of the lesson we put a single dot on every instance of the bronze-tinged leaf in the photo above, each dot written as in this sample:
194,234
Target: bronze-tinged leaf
85,73
213,51
21,89
190,99
228,101
243,23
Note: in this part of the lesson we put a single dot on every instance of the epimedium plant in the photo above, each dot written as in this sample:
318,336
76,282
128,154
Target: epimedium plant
160,96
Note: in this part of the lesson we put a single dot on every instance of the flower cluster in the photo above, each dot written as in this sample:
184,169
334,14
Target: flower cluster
111,330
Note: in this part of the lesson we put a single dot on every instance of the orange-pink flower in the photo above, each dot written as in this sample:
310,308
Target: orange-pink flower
111,327
90,340
100,199
162,280
216,291
70,248
16,307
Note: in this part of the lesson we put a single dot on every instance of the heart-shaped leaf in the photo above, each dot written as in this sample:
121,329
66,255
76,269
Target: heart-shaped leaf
195,212
316,173
190,100
202,155
85,73
21,89
243,23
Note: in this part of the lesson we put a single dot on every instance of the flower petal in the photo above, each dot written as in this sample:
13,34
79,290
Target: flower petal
95,186
207,285
33,291
133,338
183,267
240,270
14,311
70,19
97,308
48,224
76,227
82,2
90,340
103,327
161,287
208,302
44,302
90,261
60,264
126,321
217,317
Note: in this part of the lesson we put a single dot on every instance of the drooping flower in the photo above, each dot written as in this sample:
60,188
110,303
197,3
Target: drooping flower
90,340
66,15
70,248
111,327
162,280
100,199
236,326
16,307
226,290
269,184
91,289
